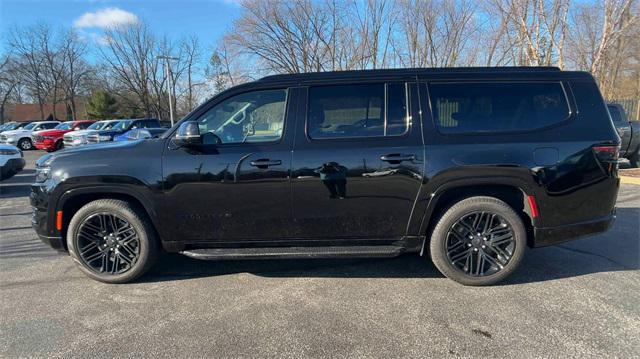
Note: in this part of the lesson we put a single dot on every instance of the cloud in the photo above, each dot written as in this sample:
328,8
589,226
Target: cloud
104,18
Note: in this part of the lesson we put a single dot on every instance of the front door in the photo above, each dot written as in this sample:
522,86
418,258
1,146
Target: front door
357,164
236,185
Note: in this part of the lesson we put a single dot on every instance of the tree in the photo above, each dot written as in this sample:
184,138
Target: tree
102,106
8,83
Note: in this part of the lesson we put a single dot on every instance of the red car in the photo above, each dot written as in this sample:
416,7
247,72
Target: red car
51,140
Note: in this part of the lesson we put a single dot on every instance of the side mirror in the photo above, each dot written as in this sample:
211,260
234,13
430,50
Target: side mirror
188,134
76,128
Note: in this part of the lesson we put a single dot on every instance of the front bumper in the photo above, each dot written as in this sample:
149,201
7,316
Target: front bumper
42,218
45,145
555,235
54,242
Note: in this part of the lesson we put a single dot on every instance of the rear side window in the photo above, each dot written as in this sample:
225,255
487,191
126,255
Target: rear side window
496,107
372,110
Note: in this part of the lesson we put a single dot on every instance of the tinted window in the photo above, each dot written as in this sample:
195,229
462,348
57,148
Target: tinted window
357,111
49,125
496,107
616,116
250,117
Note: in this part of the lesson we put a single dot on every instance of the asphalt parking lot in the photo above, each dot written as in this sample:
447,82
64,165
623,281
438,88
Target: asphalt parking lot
578,299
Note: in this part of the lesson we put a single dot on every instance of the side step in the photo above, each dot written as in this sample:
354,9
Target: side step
294,252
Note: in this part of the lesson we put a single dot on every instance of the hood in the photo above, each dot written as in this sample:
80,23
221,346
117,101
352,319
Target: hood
8,147
80,133
51,133
110,132
99,147
16,132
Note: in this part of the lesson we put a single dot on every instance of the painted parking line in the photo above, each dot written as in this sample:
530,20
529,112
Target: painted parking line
630,180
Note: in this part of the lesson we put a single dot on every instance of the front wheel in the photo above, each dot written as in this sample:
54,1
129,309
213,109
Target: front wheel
478,241
112,241
25,144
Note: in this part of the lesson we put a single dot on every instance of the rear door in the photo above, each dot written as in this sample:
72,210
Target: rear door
357,163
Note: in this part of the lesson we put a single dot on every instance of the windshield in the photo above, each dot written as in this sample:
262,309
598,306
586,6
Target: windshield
122,125
97,125
30,126
64,126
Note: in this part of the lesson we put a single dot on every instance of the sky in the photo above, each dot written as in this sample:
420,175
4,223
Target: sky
207,19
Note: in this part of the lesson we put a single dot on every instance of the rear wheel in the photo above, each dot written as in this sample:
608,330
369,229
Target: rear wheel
112,241
478,241
25,144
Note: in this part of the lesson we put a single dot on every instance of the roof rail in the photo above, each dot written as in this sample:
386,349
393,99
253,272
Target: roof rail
411,71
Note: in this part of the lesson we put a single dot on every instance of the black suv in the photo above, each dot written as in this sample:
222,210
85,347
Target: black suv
466,166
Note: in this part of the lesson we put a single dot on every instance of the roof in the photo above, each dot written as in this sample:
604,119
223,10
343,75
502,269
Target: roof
29,112
421,72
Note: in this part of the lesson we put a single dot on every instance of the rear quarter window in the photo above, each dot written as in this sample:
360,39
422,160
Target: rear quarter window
466,108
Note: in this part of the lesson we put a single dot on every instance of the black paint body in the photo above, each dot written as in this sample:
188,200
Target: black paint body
212,196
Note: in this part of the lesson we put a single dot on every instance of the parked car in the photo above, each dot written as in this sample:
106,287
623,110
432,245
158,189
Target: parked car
140,134
22,137
10,126
107,135
629,132
11,161
52,140
466,166
79,138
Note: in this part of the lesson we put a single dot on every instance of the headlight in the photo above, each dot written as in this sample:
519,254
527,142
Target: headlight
43,174
43,168
8,152
104,138
78,140
47,138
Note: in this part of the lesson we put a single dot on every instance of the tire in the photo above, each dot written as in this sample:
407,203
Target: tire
634,160
107,248
452,242
25,144
59,145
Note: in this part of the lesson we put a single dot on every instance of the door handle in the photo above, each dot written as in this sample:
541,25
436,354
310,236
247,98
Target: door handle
397,158
264,163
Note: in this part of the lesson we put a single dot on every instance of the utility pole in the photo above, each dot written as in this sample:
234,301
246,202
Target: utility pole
169,87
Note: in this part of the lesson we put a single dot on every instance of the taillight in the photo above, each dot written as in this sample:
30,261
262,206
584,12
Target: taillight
608,153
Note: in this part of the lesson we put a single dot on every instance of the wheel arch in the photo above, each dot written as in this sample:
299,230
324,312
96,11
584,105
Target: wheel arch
511,192
72,200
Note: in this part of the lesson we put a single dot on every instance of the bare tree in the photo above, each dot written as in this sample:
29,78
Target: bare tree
75,69
129,54
31,66
8,83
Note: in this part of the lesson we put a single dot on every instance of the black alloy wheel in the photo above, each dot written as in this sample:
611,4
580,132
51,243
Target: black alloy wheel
480,244
107,243
478,241
112,241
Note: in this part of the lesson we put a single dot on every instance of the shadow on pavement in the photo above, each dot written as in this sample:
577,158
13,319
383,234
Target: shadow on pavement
18,185
616,250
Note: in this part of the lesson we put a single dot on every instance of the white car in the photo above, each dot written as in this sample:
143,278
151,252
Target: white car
22,137
79,138
11,161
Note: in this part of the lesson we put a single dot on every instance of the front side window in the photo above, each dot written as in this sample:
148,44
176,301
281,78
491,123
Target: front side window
251,117
372,110
496,107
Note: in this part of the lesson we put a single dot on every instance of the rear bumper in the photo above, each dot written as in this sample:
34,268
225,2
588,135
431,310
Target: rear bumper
555,235
13,165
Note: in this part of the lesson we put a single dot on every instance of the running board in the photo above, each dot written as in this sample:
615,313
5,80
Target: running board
295,252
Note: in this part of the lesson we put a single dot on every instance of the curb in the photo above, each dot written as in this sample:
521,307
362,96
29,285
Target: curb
630,180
